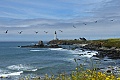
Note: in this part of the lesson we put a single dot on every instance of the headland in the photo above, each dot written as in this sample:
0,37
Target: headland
106,47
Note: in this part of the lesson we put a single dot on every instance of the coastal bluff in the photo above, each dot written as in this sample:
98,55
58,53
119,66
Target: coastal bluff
106,47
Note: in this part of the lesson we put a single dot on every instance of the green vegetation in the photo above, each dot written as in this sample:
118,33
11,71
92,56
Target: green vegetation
113,43
67,42
104,43
84,75
79,74
108,42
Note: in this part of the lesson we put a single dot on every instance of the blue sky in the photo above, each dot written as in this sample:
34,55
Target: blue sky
55,15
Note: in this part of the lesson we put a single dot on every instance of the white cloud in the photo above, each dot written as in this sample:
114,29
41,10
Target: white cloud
62,15
110,9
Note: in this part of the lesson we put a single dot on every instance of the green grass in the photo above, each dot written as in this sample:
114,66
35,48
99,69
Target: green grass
113,42
108,42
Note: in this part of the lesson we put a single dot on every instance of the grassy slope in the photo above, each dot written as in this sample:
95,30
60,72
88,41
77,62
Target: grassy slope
109,42
105,43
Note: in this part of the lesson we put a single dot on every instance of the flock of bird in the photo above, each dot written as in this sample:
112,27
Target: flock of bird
35,32
58,30
94,22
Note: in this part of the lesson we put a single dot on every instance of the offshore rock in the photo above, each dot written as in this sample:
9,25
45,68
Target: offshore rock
41,45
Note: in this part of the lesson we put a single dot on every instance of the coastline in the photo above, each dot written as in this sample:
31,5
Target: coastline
106,48
81,47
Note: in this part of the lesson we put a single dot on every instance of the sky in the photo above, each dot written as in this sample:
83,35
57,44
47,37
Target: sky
71,19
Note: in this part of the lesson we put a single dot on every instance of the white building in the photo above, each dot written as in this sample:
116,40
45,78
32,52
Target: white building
55,36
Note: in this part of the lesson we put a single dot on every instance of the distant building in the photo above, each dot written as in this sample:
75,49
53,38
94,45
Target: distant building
83,39
55,36
40,43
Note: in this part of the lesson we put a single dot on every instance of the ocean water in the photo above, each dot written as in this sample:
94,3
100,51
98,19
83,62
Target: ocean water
18,62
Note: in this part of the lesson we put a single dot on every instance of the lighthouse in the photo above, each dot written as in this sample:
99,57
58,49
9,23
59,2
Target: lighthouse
55,36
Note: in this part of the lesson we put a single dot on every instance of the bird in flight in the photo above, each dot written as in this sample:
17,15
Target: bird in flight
60,30
20,32
6,31
111,20
36,32
84,23
46,32
74,26
95,21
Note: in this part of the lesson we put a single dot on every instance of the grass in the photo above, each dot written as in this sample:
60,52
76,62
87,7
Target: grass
113,42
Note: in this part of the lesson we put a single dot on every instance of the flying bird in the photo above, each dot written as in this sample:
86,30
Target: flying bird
60,30
6,31
20,32
36,32
84,23
46,32
111,20
74,26
95,21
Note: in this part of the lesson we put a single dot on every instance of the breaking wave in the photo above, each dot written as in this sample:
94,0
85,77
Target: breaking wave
21,67
5,75
55,48
37,50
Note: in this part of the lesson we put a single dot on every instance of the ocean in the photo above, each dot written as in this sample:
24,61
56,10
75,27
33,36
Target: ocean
16,62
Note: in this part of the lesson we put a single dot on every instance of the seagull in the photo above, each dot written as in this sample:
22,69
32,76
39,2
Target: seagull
6,31
20,32
111,20
95,21
46,32
60,30
84,23
36,32
74,26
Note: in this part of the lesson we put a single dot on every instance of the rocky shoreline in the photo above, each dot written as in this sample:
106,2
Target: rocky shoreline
112,53
99,46
106,48
40,45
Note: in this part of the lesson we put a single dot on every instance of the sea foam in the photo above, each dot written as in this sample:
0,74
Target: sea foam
10,74
21,67
55,48
37,50
87,54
